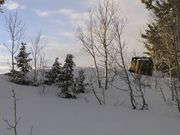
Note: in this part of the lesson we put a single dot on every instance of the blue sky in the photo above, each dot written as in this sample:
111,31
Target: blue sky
57,20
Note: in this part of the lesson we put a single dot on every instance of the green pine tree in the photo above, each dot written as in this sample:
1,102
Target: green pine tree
159,37
1,2
23,60
65,79
80,84
54,71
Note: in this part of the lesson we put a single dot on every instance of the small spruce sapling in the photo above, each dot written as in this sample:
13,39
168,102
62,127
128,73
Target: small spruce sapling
80,84
54,72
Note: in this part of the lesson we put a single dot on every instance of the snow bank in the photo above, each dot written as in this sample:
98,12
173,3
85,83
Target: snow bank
51,115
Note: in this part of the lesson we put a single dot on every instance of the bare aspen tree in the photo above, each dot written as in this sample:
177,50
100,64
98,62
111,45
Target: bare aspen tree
87,38
139,91
119,25
35,51
99,39
15,27
94,92
13,126
99,34
135,84
103,20
42,70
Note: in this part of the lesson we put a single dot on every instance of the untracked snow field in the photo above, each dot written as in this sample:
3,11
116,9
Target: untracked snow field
51,115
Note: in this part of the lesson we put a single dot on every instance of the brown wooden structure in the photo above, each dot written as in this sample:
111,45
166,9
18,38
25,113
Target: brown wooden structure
141,65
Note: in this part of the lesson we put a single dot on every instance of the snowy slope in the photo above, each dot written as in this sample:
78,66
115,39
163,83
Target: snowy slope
51,115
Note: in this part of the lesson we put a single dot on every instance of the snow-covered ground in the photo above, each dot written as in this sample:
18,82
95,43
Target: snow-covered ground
51,115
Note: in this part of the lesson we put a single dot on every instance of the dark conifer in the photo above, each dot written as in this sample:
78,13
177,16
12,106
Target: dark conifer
1,2
23,65
54,71
23,60
65,79
80,85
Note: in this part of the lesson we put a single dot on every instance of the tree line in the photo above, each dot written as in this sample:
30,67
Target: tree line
61,76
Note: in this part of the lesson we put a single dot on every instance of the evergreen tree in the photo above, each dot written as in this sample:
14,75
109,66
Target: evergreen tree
65,79
23,65
80,85
1,2
160,38
166,16
53,73
23,60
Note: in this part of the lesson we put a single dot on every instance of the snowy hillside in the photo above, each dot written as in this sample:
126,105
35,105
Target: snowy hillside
51,115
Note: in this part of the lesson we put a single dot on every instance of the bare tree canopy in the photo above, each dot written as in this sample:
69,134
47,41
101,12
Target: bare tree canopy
98,36
35,51
15,27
